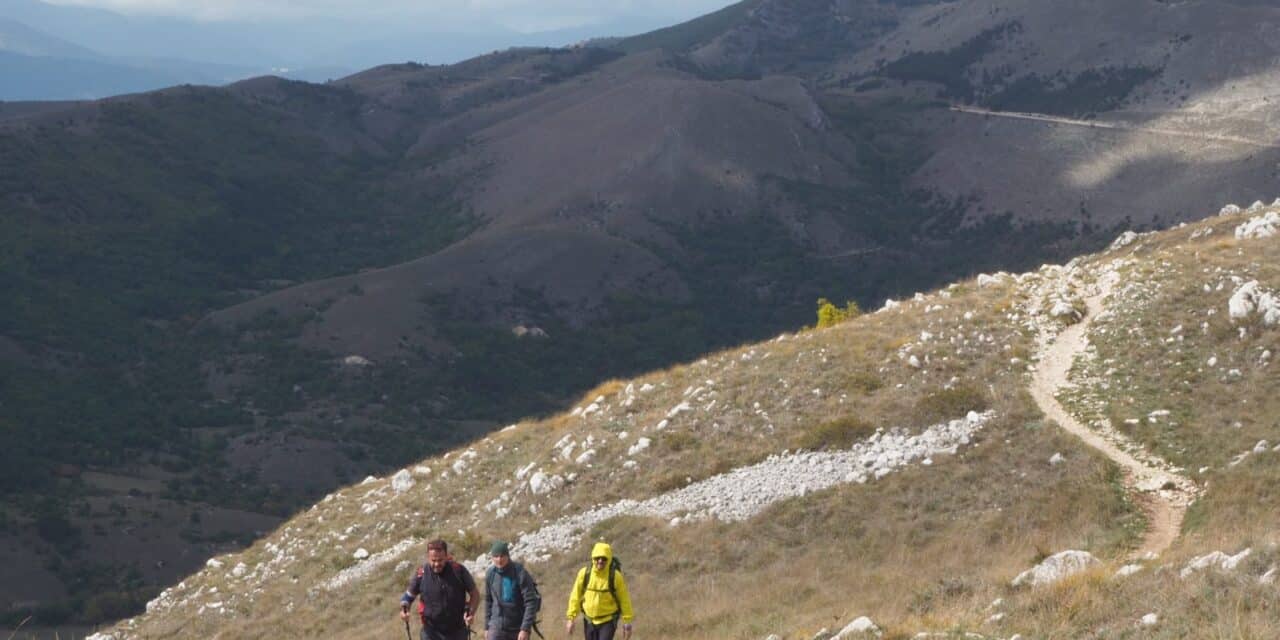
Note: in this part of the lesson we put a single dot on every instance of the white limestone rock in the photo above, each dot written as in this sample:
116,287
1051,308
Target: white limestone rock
985,280
1260,227
542,483
1149,620
1251,298
402,481
859,627
356,361
464,461
1230,210
640,445
360,554
1063,309
1216,560
1125,239
1128,570
1056,567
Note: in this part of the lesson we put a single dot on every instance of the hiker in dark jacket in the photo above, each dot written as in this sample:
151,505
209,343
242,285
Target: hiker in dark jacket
448,593
511,600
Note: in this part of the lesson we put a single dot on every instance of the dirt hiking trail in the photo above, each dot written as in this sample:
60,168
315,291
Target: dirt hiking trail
1163,493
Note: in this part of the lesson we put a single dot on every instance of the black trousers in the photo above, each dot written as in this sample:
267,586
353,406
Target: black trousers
599,632
436,634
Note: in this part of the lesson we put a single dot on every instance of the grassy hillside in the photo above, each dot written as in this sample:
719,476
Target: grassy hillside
922,548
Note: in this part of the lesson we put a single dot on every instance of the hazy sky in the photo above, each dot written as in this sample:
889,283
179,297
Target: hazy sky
523,15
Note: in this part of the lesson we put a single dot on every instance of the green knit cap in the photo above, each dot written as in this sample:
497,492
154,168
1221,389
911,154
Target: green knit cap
499,548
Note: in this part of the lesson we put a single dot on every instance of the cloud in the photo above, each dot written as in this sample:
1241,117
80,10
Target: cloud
524,15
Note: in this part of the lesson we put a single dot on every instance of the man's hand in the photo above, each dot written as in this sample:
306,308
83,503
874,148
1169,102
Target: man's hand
469,617
524,635
404,613
568,628
626,631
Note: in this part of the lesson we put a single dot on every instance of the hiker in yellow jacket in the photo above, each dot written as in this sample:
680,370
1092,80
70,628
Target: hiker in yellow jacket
600,593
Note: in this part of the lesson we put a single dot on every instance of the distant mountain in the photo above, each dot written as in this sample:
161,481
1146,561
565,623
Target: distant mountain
37,66
16,37
302,43
142,37
47,78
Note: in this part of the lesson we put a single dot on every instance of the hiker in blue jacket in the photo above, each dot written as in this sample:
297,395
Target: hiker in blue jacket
511,600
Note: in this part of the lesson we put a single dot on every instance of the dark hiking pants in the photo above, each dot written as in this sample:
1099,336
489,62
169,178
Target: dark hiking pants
502,634
436,634
599,632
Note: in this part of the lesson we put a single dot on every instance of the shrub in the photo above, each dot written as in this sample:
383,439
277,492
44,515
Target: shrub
840,433
678,441
469,545
670,481
111,605
864,381
830,315
951,403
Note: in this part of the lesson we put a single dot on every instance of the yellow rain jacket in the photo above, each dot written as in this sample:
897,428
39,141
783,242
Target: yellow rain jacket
597,603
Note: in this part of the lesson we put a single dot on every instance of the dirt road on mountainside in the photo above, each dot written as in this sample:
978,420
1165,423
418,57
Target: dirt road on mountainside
1163,493
1118,126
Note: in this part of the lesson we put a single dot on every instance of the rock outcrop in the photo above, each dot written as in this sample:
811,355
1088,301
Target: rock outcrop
1056,567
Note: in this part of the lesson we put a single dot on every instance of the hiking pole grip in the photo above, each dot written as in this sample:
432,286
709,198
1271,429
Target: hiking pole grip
407,633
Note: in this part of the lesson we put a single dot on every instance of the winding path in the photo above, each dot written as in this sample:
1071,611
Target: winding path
1163,493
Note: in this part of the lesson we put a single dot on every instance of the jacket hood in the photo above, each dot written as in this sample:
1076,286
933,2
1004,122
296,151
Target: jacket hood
602,549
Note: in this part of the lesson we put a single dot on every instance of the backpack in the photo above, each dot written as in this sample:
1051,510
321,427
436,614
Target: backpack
615,565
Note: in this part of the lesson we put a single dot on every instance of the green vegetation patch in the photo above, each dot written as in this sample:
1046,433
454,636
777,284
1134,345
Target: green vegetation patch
950,68
1082,95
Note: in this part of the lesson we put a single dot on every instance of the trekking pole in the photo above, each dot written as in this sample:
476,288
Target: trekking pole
407,633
